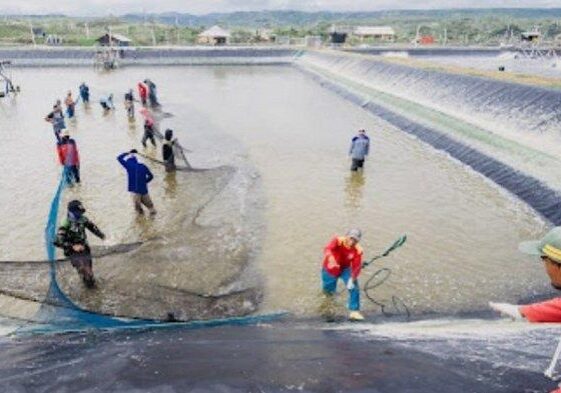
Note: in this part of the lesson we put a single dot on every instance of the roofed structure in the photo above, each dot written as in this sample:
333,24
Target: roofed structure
376,32
114,40
216,35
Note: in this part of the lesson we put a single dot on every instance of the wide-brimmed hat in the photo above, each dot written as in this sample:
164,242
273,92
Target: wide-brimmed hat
549,245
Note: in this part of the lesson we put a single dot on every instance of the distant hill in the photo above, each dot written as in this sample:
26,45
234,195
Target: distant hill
449,27
300,18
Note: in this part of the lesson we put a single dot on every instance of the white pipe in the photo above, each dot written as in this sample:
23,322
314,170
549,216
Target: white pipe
549,371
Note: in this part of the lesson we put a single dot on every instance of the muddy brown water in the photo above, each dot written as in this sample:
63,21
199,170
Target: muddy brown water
288,192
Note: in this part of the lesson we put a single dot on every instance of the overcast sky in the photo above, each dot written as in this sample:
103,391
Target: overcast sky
116,7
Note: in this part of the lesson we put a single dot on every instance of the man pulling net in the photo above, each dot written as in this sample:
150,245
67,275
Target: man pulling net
73,240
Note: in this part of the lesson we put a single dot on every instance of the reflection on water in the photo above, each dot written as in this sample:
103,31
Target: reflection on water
219,73
132,124
354,188
297,136
460,228
170,186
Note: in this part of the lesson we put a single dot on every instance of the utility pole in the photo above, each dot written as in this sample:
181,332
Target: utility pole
32,33
176,30
418,36
87,30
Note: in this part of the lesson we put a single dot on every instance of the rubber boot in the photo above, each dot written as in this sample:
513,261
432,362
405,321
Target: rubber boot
356,316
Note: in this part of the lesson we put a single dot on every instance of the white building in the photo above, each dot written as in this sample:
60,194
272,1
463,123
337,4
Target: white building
383,33
216,35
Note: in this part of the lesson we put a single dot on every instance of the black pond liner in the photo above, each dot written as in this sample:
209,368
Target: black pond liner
543,199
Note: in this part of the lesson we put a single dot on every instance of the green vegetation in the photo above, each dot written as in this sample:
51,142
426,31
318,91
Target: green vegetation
453,27
77,32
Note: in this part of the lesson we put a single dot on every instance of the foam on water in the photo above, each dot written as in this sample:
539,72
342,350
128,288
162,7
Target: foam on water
7,327
502,343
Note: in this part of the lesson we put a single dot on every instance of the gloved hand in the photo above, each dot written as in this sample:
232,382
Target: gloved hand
511,311
78,247
350,284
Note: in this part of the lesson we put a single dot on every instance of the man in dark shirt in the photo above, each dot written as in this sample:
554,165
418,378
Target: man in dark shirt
72,238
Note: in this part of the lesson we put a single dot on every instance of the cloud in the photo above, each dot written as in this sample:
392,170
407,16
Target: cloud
116,7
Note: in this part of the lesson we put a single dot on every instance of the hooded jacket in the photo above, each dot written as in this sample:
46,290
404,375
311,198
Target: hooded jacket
138,174
360,146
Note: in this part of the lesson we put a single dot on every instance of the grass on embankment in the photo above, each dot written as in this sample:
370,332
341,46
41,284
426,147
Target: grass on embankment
526,79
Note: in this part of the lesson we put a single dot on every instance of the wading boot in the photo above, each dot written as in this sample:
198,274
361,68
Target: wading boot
356,316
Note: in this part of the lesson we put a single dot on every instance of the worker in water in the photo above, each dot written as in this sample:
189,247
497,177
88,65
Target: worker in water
56,118
129,104
149,132
168,151
138,178
152,96
84,93
549,251
107,103
70,105
69,157
142,92
360,146
72,238
342,259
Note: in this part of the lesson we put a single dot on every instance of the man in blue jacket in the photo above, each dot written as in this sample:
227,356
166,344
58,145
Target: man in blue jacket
360,146
138,178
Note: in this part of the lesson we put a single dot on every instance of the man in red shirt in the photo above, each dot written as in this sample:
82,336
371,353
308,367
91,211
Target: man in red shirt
69,157
343,259
142,92
549,250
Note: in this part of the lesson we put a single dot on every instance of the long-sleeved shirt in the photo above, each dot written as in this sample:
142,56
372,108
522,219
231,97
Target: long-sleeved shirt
138,174
360,146
548,311
73,232
344,255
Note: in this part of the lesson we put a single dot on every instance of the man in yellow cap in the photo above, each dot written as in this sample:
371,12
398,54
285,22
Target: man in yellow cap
549,250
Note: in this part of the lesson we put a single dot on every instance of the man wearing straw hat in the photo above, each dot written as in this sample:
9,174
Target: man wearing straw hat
549,250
